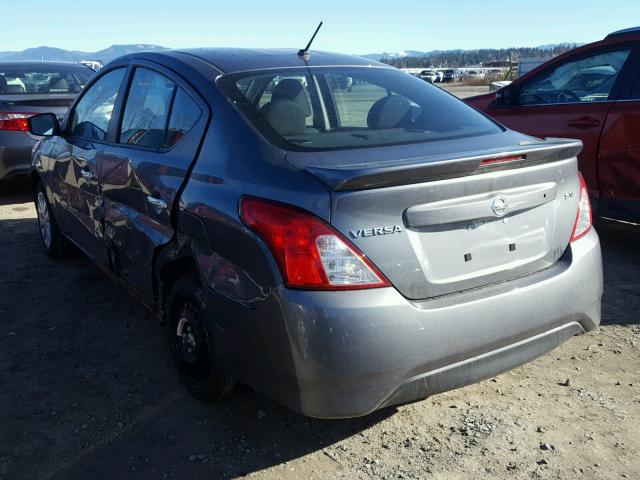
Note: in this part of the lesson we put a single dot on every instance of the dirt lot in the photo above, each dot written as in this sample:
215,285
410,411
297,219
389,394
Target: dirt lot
89,392
463,91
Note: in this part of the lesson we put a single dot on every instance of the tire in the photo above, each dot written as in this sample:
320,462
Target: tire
53,241
192,343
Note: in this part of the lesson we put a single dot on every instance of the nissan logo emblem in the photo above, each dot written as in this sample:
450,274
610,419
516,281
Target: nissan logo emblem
499,206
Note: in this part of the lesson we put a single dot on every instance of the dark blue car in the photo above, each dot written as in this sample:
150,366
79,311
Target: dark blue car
331,231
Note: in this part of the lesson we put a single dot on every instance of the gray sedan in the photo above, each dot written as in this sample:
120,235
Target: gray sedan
338,250
26,89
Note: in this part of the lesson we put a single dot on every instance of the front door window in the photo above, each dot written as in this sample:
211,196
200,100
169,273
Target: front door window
589,79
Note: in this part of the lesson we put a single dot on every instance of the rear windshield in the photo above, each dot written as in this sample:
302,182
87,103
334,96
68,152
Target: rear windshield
46,79
322,108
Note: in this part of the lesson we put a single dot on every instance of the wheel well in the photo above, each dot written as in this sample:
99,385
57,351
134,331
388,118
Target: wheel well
170,273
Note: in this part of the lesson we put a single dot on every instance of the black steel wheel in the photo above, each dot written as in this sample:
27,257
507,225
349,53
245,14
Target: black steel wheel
192,345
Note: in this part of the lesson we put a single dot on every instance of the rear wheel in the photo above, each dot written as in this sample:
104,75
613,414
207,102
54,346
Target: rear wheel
192,343
54,243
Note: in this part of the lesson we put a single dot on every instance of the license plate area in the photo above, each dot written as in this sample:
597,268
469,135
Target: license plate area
461,255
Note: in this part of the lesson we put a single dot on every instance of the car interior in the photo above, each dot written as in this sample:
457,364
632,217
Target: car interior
338,109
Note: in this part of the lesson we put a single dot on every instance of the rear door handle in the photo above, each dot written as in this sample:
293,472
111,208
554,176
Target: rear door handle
157,202
584,122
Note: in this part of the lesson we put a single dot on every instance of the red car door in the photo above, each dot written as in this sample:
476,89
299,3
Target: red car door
619,160
581,121
570,98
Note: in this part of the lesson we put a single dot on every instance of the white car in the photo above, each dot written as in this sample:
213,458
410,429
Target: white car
428,76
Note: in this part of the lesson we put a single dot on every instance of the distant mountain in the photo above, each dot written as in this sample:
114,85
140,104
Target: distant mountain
58,54
46,53
115,51
391,55
108,54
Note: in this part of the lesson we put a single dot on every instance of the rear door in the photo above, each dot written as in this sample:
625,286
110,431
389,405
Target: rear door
571,99
158,137
619,155
77,159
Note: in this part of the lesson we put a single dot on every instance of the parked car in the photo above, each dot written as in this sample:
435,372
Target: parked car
94,65
473,75
339,253
449,76
428,76
591,93
28,88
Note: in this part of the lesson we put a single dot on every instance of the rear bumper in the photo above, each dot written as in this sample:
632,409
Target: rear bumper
346,354
15,154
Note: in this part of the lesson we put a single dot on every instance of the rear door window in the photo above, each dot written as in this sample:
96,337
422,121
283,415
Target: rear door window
589,79
185,113
146,112
93,112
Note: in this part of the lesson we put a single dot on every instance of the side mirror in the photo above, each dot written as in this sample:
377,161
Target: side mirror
44,125
506,97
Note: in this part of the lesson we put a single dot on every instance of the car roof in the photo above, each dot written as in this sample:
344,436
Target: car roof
628,35
234,60
623,32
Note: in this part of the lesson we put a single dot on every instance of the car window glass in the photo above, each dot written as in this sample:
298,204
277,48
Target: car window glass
184,115
353,106
589,79
146,109
93,112
18,79
297,84
350,107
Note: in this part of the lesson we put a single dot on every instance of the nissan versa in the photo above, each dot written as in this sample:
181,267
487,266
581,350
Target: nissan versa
338,249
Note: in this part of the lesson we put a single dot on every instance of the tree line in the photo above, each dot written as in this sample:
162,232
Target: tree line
463,58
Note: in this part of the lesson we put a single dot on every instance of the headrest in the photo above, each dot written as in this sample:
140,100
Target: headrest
388,112
291,89
284,116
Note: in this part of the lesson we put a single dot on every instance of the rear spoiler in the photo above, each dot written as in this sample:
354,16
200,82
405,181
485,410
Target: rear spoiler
39,100
430,168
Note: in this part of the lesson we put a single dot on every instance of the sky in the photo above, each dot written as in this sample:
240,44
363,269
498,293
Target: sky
357,27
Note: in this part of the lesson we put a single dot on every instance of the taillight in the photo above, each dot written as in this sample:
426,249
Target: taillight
309,252
584,219
15,121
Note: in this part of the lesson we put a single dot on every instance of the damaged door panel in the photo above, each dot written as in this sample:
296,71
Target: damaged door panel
158,139
619,162
88,129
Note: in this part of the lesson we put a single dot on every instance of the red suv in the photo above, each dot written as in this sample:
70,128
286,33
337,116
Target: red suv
591,93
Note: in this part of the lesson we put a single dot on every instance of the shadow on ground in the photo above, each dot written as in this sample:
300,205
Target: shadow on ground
17,190
621,262
89,390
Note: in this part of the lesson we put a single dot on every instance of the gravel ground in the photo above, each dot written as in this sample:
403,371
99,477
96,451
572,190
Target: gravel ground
89,392
463,91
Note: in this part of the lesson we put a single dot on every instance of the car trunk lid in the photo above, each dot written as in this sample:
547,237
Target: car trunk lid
37,103
456,218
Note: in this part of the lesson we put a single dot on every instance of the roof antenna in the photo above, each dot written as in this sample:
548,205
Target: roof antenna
304,52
